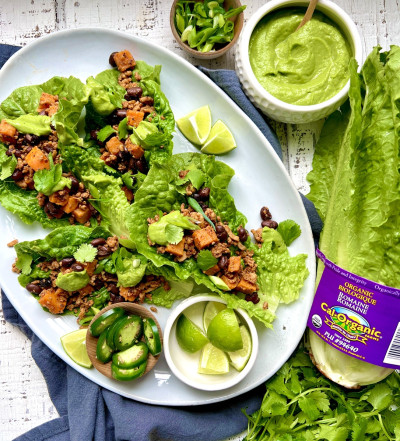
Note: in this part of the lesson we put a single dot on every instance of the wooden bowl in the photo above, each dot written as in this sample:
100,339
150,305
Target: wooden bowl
91,342
222,49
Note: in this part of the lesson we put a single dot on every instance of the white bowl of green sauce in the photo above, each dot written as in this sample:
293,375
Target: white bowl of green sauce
297,76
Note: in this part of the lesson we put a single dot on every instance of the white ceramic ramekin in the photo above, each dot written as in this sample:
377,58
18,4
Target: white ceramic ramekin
267,103
184,365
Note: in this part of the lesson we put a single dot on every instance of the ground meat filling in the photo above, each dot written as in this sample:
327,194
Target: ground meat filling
57,300
120,154
235,265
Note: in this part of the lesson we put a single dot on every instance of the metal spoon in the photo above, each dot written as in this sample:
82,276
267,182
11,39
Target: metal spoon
308,14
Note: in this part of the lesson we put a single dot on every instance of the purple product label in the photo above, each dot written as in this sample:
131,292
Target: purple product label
357,316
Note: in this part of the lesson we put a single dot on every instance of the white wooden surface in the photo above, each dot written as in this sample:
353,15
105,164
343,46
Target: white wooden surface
24,401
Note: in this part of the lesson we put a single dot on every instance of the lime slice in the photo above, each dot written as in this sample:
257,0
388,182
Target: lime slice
74,344
219,141
210,311
196,125
189,336
240,358
223,331
213,361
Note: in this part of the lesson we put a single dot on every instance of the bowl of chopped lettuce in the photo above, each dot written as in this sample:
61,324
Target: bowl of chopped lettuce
206,29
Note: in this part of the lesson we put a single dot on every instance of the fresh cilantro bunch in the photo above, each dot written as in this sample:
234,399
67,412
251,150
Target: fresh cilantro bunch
302,405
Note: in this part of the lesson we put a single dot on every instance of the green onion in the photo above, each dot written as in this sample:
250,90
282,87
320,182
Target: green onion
204,24
195,205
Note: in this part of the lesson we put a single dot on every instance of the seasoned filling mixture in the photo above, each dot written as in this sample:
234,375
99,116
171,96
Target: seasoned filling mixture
34,153
234,265
120,154
58,300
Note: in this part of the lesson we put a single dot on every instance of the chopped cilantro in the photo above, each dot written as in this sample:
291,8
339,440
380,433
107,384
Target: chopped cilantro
85,253
205,260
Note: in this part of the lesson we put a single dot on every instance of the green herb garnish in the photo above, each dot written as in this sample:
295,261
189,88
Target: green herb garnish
205,260
204,24
85,253
196,206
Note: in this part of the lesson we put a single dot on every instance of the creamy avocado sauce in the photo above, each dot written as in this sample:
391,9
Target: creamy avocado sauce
301,67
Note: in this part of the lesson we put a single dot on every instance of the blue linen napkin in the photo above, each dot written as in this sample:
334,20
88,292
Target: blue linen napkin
89,412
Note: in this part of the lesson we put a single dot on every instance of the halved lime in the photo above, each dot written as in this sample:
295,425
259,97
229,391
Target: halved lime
223,331
196,125
189,336
213,361
219,141
240,358
74,344
210,311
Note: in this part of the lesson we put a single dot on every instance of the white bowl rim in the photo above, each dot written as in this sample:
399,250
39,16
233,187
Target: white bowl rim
277,4
198,298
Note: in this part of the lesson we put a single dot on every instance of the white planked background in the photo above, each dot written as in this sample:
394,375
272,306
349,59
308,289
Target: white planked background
24,401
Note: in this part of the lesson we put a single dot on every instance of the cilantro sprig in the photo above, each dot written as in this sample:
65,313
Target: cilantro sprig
302,405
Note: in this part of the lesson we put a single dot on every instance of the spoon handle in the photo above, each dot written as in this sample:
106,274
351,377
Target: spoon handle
308,14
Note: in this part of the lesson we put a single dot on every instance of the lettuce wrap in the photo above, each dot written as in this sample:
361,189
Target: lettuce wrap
161,195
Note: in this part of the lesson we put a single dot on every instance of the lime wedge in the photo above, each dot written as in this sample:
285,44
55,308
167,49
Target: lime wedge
223,331
219,141
196,125
210,311
240,358
74,344
213,361
189,336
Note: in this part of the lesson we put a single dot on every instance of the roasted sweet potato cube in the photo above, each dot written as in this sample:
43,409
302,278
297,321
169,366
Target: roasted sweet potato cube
88,289
54,299
37,159
58,198
213,270
82,215
90,267
49,103
204,238
246,287
7,132
128,193
231,283
114,145
124,60
234,264
176,250
71,205
135,150
134,117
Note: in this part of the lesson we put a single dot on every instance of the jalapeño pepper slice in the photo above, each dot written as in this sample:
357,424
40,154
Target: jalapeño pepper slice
111,332
128,374
132,357
128,333
152,336
103,351
105,320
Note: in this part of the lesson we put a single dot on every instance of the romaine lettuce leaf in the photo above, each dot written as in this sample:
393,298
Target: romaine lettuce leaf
178,290
7,163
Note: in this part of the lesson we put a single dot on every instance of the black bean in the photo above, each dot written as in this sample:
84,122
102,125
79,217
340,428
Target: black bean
141,165
97,242
94,133
45,283
9,152
31,139
67,262
17,175
124,155
18,153
196,196
47,148
133,93
270,224
116,299
243,234
98,284
111,59
103,250
74,184
32,287
221,233
77,267
53,210
204,194
43,112
121,113
265,213
223,262
252,298
113,288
